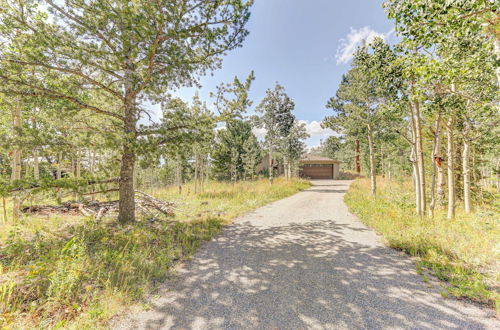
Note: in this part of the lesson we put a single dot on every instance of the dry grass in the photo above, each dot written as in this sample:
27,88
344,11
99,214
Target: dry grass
464,251
71,272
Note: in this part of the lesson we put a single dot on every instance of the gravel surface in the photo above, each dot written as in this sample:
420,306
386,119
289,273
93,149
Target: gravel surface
303,262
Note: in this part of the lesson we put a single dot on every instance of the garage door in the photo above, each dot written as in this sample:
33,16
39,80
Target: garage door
317,171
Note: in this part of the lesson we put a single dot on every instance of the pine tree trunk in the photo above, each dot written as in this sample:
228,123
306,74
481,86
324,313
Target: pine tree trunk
466,169
436,147
373,179
451,173
126,204
356,159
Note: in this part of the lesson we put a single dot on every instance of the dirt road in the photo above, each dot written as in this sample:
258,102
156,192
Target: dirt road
303,262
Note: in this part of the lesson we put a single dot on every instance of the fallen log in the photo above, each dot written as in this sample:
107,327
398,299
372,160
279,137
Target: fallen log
162,206
98,209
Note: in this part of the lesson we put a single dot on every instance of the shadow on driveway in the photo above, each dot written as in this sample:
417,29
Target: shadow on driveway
303,262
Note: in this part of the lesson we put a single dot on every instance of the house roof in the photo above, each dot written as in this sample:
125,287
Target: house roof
320,159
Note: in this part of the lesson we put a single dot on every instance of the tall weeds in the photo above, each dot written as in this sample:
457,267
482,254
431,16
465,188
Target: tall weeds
78,273
463,252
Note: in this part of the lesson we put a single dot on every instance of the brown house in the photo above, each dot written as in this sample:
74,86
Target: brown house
317,167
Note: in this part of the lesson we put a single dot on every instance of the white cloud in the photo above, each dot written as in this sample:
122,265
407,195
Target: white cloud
314,128
259,132
348,45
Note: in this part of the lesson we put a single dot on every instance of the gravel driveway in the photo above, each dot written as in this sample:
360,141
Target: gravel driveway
303,262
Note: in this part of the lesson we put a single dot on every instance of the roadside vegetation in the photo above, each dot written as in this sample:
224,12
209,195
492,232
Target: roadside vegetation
70,271
420,118
462,251
106,179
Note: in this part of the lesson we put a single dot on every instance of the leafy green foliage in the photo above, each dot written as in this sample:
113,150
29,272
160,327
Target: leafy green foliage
236,151
108,57
276,114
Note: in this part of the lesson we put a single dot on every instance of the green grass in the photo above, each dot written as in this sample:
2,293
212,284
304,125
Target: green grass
464,251
70,272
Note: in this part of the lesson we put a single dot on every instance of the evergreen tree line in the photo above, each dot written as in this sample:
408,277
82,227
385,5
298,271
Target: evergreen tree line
76,76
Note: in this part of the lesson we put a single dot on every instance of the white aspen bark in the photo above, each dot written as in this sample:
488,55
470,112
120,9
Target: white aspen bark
466,168
436,163
440,183
16,159
16,153
382,163
416,147
420,157
202,174
450,163
195,172
373,179
206,178
271,163
416,180
78,166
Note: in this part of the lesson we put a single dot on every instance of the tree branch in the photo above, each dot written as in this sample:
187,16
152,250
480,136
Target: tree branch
44,92
72,71
79,21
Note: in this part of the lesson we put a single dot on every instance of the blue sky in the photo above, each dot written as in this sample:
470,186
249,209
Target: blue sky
303,44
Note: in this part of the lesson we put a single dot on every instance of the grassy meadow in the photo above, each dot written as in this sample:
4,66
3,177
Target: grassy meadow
71,272
465,251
